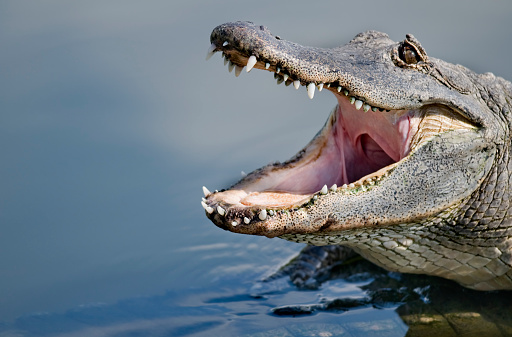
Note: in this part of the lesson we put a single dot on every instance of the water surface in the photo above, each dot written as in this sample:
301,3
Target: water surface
111,121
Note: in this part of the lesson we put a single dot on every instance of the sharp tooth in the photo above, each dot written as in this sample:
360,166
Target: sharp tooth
334,187
285,77
221,210
267,65
374,109
351,185
320,87
287,83
211,51
344,186
328,85
358,104
366,107
296,84
243,174
271,212
339,89
278,70
323,190
279,80
345,92
206,207
247,220
225,43
352,100
225,59
231,66
251,62
263,214
238,70
311,90
234,223
206,191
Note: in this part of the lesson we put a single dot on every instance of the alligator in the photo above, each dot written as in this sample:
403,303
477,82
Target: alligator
410,171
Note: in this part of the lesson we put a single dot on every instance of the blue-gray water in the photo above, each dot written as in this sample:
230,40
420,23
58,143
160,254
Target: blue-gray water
111,121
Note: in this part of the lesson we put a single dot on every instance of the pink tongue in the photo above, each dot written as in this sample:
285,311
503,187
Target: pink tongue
273,199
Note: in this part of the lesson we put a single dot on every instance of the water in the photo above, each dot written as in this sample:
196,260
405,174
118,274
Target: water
111,121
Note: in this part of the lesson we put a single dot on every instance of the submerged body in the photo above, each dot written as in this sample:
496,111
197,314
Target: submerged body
411,169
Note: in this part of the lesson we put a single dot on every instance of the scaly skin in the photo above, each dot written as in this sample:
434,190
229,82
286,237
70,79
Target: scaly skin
441,208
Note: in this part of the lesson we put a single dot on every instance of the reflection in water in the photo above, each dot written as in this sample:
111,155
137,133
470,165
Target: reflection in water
359,299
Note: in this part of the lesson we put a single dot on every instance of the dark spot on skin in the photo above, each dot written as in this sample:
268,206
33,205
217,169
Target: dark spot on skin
327,224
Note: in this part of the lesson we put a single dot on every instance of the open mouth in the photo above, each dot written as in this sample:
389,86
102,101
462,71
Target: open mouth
359,145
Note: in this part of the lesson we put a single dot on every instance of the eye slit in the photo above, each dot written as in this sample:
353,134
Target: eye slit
408,54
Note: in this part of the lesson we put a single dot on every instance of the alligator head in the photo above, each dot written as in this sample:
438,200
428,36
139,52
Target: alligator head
411,156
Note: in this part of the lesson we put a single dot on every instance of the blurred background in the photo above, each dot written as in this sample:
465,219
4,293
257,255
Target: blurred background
111,121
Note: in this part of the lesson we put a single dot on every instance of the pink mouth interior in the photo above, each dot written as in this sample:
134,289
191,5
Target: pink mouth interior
358,144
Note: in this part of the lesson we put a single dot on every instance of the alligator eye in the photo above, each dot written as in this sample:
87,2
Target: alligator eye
408,55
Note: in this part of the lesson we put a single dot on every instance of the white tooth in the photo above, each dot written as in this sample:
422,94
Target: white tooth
374,109
339,89
234,223
345,92
251,62
358,104
285,77
296,84
267,65
344,186
323,190
231,66
238,70
328,85
334,187
278,70
247,220
366,107
206,191
315,197
352,100
351,185
243,174
221,210
271,212
225,43
320,86
263,214
211,51
206,207
311,90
